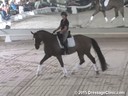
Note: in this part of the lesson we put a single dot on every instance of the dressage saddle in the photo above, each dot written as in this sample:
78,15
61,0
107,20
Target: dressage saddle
60,36
64,44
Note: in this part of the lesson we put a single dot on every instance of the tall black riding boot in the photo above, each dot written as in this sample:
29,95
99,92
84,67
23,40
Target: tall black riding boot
103,7
66,47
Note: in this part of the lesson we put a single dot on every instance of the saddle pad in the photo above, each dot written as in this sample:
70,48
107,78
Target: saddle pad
61,46
71,42
106,2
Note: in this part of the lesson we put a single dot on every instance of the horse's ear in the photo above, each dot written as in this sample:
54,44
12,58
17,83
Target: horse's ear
32,32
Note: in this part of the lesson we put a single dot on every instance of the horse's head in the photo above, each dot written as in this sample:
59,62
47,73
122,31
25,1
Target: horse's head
37,40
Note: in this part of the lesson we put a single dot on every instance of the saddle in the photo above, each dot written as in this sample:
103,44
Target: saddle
70,40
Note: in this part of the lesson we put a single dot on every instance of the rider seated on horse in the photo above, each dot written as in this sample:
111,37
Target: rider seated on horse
102,3
63,31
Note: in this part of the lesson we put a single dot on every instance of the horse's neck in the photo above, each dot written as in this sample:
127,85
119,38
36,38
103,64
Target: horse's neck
48,37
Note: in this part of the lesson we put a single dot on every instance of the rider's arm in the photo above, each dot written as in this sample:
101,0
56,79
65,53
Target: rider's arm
65,29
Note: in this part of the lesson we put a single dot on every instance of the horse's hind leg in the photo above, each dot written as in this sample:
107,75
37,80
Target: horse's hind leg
122,13
94,62
62,65
40,65
116,15
81,58
105,17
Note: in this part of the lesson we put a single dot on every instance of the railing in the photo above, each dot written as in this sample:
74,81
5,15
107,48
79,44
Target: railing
75,8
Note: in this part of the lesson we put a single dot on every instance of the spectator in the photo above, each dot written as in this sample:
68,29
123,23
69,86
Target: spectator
37,4
5,12
13,6
54,3
28,6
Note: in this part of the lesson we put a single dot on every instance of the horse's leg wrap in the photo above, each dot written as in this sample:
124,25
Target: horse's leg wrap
64,71
62,65
94,62
113,19
81,58
40,65
106,19
75,68
39,69
123,19
92,17
96,69
104,13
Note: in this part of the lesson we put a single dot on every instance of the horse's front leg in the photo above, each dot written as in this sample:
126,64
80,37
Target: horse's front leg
62,65
116,15
105,17
40,65
92,17
122,13
81,58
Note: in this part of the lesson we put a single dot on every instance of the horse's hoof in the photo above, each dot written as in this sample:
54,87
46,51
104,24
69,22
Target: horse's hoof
97,73
65,75
72,73
37,75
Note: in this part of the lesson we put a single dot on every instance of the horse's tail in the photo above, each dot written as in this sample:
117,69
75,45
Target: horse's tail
100,55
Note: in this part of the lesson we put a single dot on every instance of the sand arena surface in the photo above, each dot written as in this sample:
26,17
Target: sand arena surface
19,60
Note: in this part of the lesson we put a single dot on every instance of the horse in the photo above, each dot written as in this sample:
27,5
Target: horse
82,47
117,5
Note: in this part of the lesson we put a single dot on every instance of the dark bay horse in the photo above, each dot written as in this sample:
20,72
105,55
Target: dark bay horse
83,46
117,5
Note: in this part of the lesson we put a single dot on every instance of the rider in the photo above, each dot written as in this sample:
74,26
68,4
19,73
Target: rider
63,31
102,2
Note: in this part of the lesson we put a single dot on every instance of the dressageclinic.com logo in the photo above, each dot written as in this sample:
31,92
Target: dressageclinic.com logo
100,93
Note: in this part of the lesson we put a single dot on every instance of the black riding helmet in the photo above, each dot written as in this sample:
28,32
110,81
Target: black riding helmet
64,13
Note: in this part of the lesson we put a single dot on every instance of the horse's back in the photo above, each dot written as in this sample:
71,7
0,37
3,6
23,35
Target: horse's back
82,37
118,3
83,41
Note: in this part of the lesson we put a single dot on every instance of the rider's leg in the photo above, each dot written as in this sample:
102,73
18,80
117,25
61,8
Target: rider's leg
60,36
65,43
66,46
102,2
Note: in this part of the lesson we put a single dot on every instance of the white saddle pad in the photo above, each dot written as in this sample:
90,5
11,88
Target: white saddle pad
106,3
71,42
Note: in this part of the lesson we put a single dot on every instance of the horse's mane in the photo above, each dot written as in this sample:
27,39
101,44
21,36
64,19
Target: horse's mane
45,35
42,31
